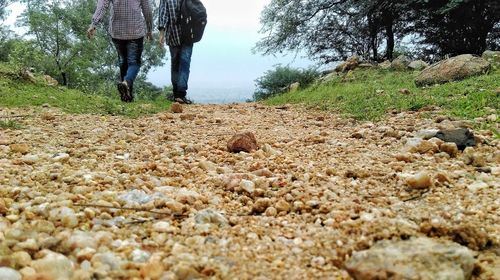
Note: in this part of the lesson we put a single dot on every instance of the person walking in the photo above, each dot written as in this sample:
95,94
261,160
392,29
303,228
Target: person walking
130,22
180,52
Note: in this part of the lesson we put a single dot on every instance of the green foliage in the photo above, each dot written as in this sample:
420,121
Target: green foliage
60,47
17,93
279,79
373,93
9,124
332,30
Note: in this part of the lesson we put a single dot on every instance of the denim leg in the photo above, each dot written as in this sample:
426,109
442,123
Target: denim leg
134,54
181,62
121,48
174,67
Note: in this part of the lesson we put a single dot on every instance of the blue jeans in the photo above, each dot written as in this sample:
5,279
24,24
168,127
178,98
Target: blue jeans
180,57
129,52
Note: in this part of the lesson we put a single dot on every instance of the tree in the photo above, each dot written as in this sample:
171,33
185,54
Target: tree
59,31
453,27
3,5
333,29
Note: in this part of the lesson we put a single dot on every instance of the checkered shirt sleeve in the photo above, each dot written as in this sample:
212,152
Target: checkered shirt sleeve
129,19
168,21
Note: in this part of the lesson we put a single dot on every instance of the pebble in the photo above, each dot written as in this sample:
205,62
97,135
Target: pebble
9,274
54,265
421,180
177,108
162,227
476,186
247,186
19,148
449,148
282,206
210,216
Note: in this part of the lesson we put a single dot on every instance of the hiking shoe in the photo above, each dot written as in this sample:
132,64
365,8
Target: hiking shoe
183,100
124,91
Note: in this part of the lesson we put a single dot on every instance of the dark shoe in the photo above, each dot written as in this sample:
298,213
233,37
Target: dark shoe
183,100
124,91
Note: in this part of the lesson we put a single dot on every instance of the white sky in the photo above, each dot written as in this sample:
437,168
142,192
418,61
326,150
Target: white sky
223,59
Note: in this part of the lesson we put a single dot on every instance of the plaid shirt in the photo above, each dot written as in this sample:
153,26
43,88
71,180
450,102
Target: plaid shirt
168,21
129,19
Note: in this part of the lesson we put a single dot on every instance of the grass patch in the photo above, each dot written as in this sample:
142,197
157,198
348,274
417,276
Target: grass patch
370,94
10,124
18,93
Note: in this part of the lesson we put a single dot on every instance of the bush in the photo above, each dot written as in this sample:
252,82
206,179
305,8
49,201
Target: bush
278,80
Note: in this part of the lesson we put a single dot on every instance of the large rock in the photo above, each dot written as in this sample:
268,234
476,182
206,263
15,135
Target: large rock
400,63
242,142
462,137
418,65
419,258
492,56
350,64
453,69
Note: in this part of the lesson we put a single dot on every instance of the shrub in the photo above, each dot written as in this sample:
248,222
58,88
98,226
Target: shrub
278,80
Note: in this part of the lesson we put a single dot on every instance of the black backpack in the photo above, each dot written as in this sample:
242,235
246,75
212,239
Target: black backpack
192,19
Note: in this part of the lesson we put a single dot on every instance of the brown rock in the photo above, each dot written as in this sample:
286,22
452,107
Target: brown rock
405,91
350,64
453,69
242,142
282,206
177,108
449,148
422,180
261,205
19,148
426,146
50,81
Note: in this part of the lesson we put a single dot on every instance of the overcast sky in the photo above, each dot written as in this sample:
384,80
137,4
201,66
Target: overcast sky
223,59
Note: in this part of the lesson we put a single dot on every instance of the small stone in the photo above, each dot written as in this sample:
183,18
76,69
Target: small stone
210,216
54,266
261,205
449,148
426,146
442,178
60,157
19,148
406,157
184,272
242,142
85,254
405,91
418,258
140,256
162,226
48,116
29,159
462,137
7,273
426,134
152,270
21,258
247,186
177,108
283,206
271,212
478,185
421,180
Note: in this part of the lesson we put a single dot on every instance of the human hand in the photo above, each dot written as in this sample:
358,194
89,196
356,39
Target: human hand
149,37
91,32
162,39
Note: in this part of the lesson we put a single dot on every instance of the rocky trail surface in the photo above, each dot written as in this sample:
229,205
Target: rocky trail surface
160,197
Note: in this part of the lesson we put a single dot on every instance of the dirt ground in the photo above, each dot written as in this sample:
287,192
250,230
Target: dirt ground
161,197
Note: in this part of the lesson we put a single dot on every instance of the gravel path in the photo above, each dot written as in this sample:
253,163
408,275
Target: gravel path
85,196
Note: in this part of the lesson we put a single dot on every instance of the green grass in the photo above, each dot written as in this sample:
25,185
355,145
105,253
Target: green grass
362,98
18,93
9,124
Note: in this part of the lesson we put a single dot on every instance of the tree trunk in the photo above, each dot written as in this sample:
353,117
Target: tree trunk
372,26
389,30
